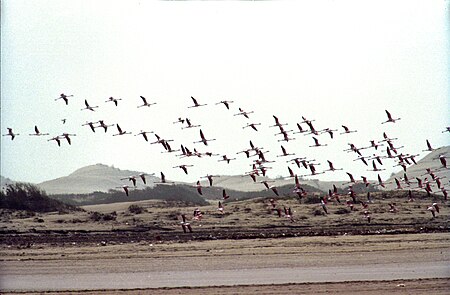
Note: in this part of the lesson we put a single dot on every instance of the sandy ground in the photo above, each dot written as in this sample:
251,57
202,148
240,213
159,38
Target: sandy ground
267,266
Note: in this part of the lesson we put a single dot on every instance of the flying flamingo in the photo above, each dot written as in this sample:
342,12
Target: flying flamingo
274,189
284,153
183,167
91,125
210,178
352,179
332,167
121,132
180,120
347,130
199,187
226,103
189,124
390,119
10,133
37,132
144,134
125,189
429,148
301,130
243,113
145,103
433,209
252,125
329,131
375,168
88,107
397,182
447,129
163,179
64,97
103,125
114,100
443,161
266,183
316,143
130,178
277,122
226,159
67,137
204,140
224,195
57,139
196,104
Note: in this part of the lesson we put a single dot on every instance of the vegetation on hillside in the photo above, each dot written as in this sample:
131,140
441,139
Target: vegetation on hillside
26,196
180,193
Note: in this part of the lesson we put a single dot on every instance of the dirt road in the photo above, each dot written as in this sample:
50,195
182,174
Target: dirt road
228,263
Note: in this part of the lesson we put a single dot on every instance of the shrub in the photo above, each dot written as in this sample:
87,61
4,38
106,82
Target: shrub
135,209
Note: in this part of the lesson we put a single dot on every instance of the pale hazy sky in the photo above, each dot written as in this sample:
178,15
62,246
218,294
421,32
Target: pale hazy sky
338,62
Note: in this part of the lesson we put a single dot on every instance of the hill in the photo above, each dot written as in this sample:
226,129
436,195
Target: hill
93,178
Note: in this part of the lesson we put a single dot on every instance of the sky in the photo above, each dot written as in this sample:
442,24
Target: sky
335,62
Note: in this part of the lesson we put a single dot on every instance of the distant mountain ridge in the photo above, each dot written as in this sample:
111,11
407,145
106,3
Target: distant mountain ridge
102,178
98,177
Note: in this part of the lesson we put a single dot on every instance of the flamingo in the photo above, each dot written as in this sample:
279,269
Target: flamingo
10,133
125,189
429,148
180,120
390,119
169,148
226,159
203,139
88,107
183,167
144,134
392,208
329,131
367,215
330,164
199,187
226,103
443,161
67,137
274,189
64,97
447,129
243,113
91,125
197,214
266,183
57,139
163,179
288,214
63,121
397,182
220,208
311,128
121,132
375,168
380,182
323,204
252,125
284,153
347,130
224,195
37,132
114,100
185,225
189,124
365,181
286,137
352,179
145,103
196,104
103,125
375,145
142,176
316,143
210,178
131,178
291,173
300,129
277,122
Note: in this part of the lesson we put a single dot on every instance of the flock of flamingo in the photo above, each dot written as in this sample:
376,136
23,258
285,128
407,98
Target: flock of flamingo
385,148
